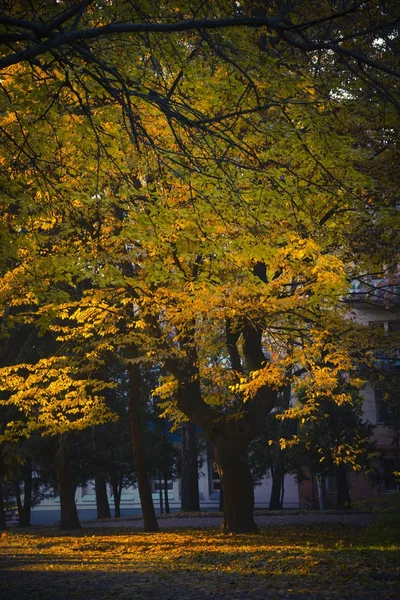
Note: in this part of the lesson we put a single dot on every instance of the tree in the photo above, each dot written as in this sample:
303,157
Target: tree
211,242
64,30
73,41
336,440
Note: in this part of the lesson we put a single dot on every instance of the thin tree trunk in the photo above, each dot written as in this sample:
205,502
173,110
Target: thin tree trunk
286,429
234,471
320,492
66,485
25,518
145,493
117,489
18,498
278,476
103,507
167,509
190,499
342,487
283,490
160,492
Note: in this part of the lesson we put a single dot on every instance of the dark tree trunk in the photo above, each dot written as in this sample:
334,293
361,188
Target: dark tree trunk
190,500
146,499
117,490
3,524
25,519
229,435
160,492
275,502
313,481
286,429
167,509
221,497
18,498
231,456
103,508
283,491
25,506
342,487
66,485
2,509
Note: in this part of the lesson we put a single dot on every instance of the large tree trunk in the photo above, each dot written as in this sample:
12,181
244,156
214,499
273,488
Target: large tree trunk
221,497
231,456
342,486
230,436
190,500
2,509
66,485
146,499
103,508
25,507
3,524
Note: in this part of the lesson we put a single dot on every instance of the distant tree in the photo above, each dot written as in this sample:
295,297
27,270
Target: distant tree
336,440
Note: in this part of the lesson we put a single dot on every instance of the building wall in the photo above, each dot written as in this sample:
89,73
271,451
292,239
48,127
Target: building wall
48,512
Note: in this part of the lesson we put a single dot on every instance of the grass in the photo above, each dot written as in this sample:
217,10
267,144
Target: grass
286,562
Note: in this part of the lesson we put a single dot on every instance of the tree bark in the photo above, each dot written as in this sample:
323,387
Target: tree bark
25,519
278,477
167,509
3,524
190,499
103,507
342,487
25,506
229,434
117,489
221,497
66,485
145,493
160,492
231,455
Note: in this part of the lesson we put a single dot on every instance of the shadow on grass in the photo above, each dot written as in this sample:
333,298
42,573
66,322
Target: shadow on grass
293,562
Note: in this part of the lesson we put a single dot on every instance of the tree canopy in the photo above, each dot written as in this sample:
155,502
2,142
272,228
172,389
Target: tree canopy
187,188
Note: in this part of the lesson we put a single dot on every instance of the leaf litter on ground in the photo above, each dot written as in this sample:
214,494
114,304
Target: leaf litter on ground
291,562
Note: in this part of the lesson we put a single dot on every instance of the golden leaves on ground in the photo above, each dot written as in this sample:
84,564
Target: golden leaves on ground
314,561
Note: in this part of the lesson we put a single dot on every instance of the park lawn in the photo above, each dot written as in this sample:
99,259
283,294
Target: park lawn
286,562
